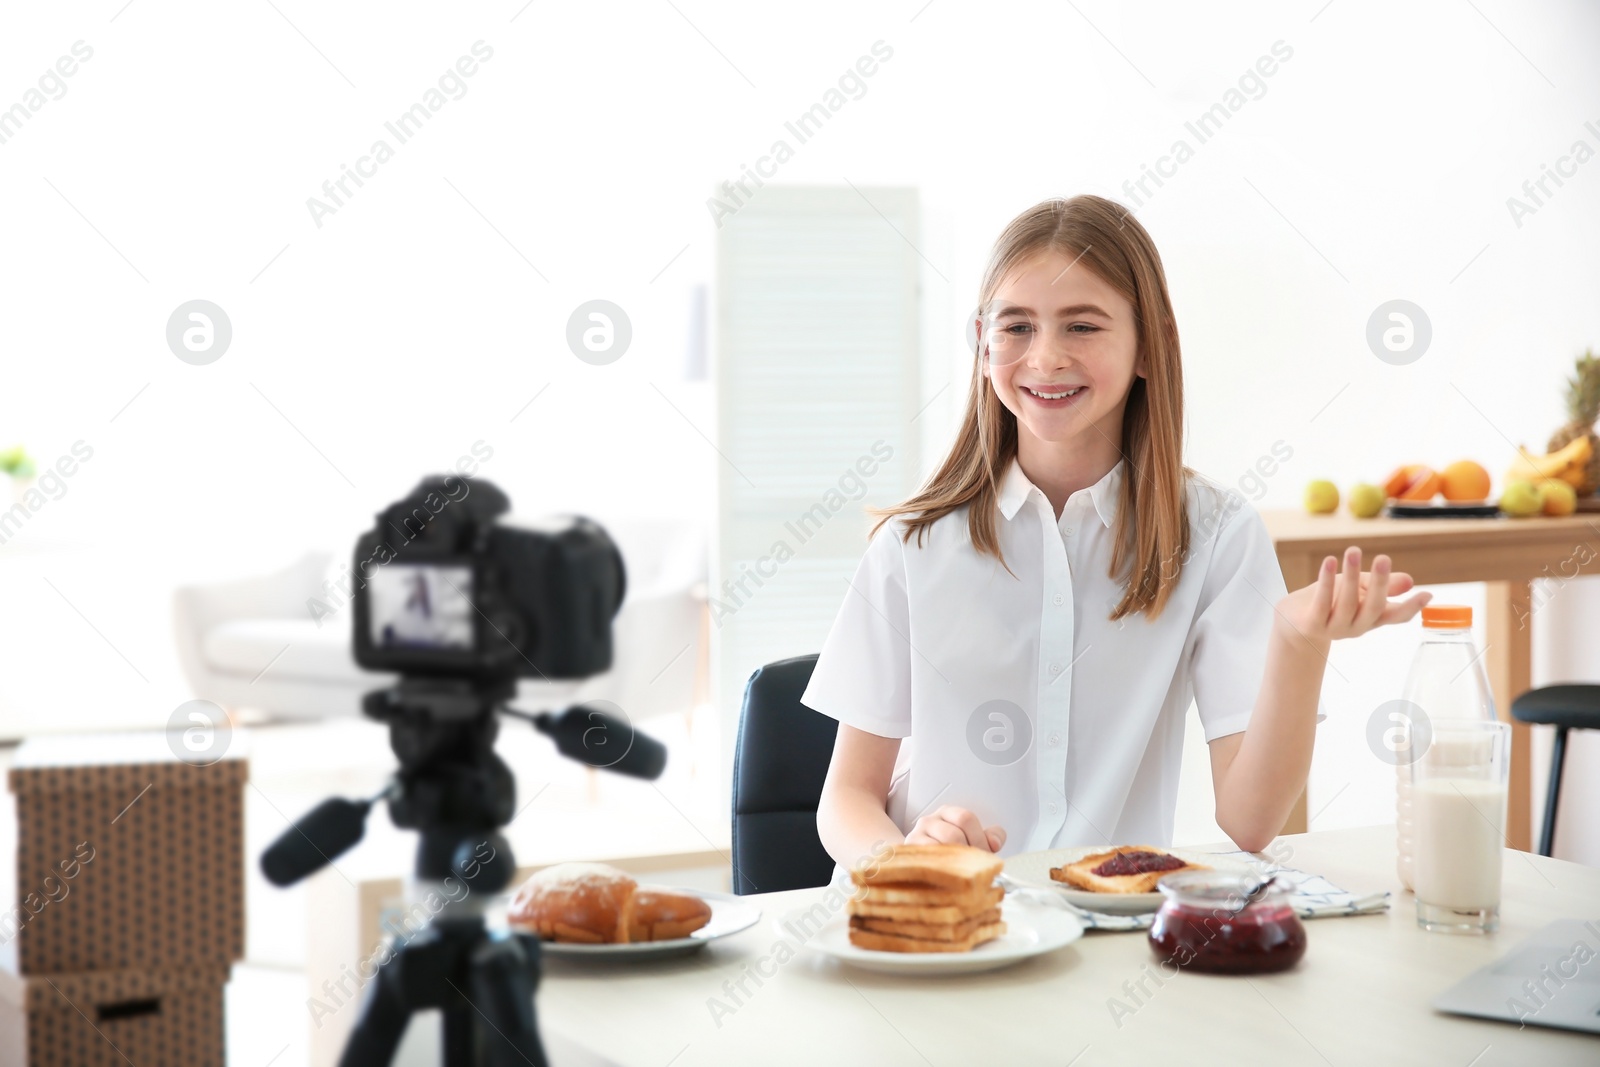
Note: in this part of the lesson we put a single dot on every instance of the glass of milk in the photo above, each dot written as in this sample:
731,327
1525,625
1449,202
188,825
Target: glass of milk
1458,797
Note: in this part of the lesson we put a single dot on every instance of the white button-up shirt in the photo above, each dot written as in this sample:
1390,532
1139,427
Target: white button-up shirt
1020,700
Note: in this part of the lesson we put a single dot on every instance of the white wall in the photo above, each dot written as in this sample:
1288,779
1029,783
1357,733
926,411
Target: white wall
415,321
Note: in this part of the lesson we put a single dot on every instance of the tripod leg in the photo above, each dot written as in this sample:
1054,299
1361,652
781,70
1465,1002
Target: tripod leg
504,976
382,1023
458,1037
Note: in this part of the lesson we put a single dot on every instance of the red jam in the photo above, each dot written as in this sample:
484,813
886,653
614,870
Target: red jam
1139,862
1205,925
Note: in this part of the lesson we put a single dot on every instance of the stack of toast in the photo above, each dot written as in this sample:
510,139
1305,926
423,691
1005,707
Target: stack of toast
927,898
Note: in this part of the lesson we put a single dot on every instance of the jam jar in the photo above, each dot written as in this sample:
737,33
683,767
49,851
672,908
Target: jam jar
1206,923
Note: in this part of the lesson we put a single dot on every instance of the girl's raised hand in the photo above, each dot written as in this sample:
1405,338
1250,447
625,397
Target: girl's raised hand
1348,603
951,825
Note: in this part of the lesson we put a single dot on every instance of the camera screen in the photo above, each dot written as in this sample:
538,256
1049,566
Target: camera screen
421,606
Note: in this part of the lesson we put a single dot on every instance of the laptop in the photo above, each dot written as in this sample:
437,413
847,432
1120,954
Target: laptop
1550,979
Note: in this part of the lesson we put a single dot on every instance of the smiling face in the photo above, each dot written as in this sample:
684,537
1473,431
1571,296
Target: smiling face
1055,326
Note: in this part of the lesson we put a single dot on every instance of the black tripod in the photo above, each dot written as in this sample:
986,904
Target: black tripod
454,790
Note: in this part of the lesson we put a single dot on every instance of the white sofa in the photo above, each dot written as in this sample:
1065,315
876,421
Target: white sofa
254,643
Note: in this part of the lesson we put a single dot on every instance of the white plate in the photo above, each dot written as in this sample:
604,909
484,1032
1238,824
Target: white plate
1032,869
729,915
1031,930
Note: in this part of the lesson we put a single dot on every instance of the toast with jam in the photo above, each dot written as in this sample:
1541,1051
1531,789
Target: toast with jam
1123,869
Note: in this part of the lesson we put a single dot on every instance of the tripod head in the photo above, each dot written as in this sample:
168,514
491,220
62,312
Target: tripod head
451,786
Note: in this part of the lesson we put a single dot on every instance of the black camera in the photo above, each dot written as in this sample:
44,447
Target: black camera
444,590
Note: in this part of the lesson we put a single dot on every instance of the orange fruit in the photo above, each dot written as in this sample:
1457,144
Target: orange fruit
1414,481
1465,480
1557,497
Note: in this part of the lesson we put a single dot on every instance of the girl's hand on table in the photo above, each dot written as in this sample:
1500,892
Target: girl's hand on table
1348,603
951,825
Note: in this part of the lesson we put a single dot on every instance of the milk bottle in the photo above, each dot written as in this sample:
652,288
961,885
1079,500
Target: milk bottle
1446,682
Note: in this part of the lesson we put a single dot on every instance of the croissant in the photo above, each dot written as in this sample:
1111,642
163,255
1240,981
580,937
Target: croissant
596,904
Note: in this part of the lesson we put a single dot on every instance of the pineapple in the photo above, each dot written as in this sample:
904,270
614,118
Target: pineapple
1583,407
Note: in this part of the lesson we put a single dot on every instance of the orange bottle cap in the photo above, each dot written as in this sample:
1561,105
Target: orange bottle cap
1446,616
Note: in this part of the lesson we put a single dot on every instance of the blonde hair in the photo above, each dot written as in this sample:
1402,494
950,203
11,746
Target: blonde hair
1152,527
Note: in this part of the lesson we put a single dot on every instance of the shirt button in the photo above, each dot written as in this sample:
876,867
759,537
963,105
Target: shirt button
1056,599
1068,531
1051,808
1055,739
1055,668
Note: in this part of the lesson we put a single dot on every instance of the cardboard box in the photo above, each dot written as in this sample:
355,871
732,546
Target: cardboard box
111,1019
128,858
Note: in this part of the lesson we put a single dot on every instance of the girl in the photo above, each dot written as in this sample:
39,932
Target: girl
1038,618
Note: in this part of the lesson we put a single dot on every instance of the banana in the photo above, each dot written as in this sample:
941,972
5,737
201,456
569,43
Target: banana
1566,464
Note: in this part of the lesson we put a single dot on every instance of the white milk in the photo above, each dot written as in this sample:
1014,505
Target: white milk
1460,825
1447,749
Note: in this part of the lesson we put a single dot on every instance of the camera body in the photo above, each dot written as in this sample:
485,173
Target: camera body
445,590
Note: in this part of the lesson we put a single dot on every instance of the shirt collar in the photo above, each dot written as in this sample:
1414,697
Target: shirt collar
1016,488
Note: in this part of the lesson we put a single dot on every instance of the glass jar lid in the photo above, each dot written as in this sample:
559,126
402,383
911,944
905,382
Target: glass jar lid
1229,890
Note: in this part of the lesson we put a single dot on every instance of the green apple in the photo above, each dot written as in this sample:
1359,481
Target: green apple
1322,497
1366,500
1520,498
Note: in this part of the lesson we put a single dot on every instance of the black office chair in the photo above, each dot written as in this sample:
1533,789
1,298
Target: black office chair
1566,707
778,768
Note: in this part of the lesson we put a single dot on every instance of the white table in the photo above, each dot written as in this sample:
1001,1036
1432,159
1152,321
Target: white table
1359,997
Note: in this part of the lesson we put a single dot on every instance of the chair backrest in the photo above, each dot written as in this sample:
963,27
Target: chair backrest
779,766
